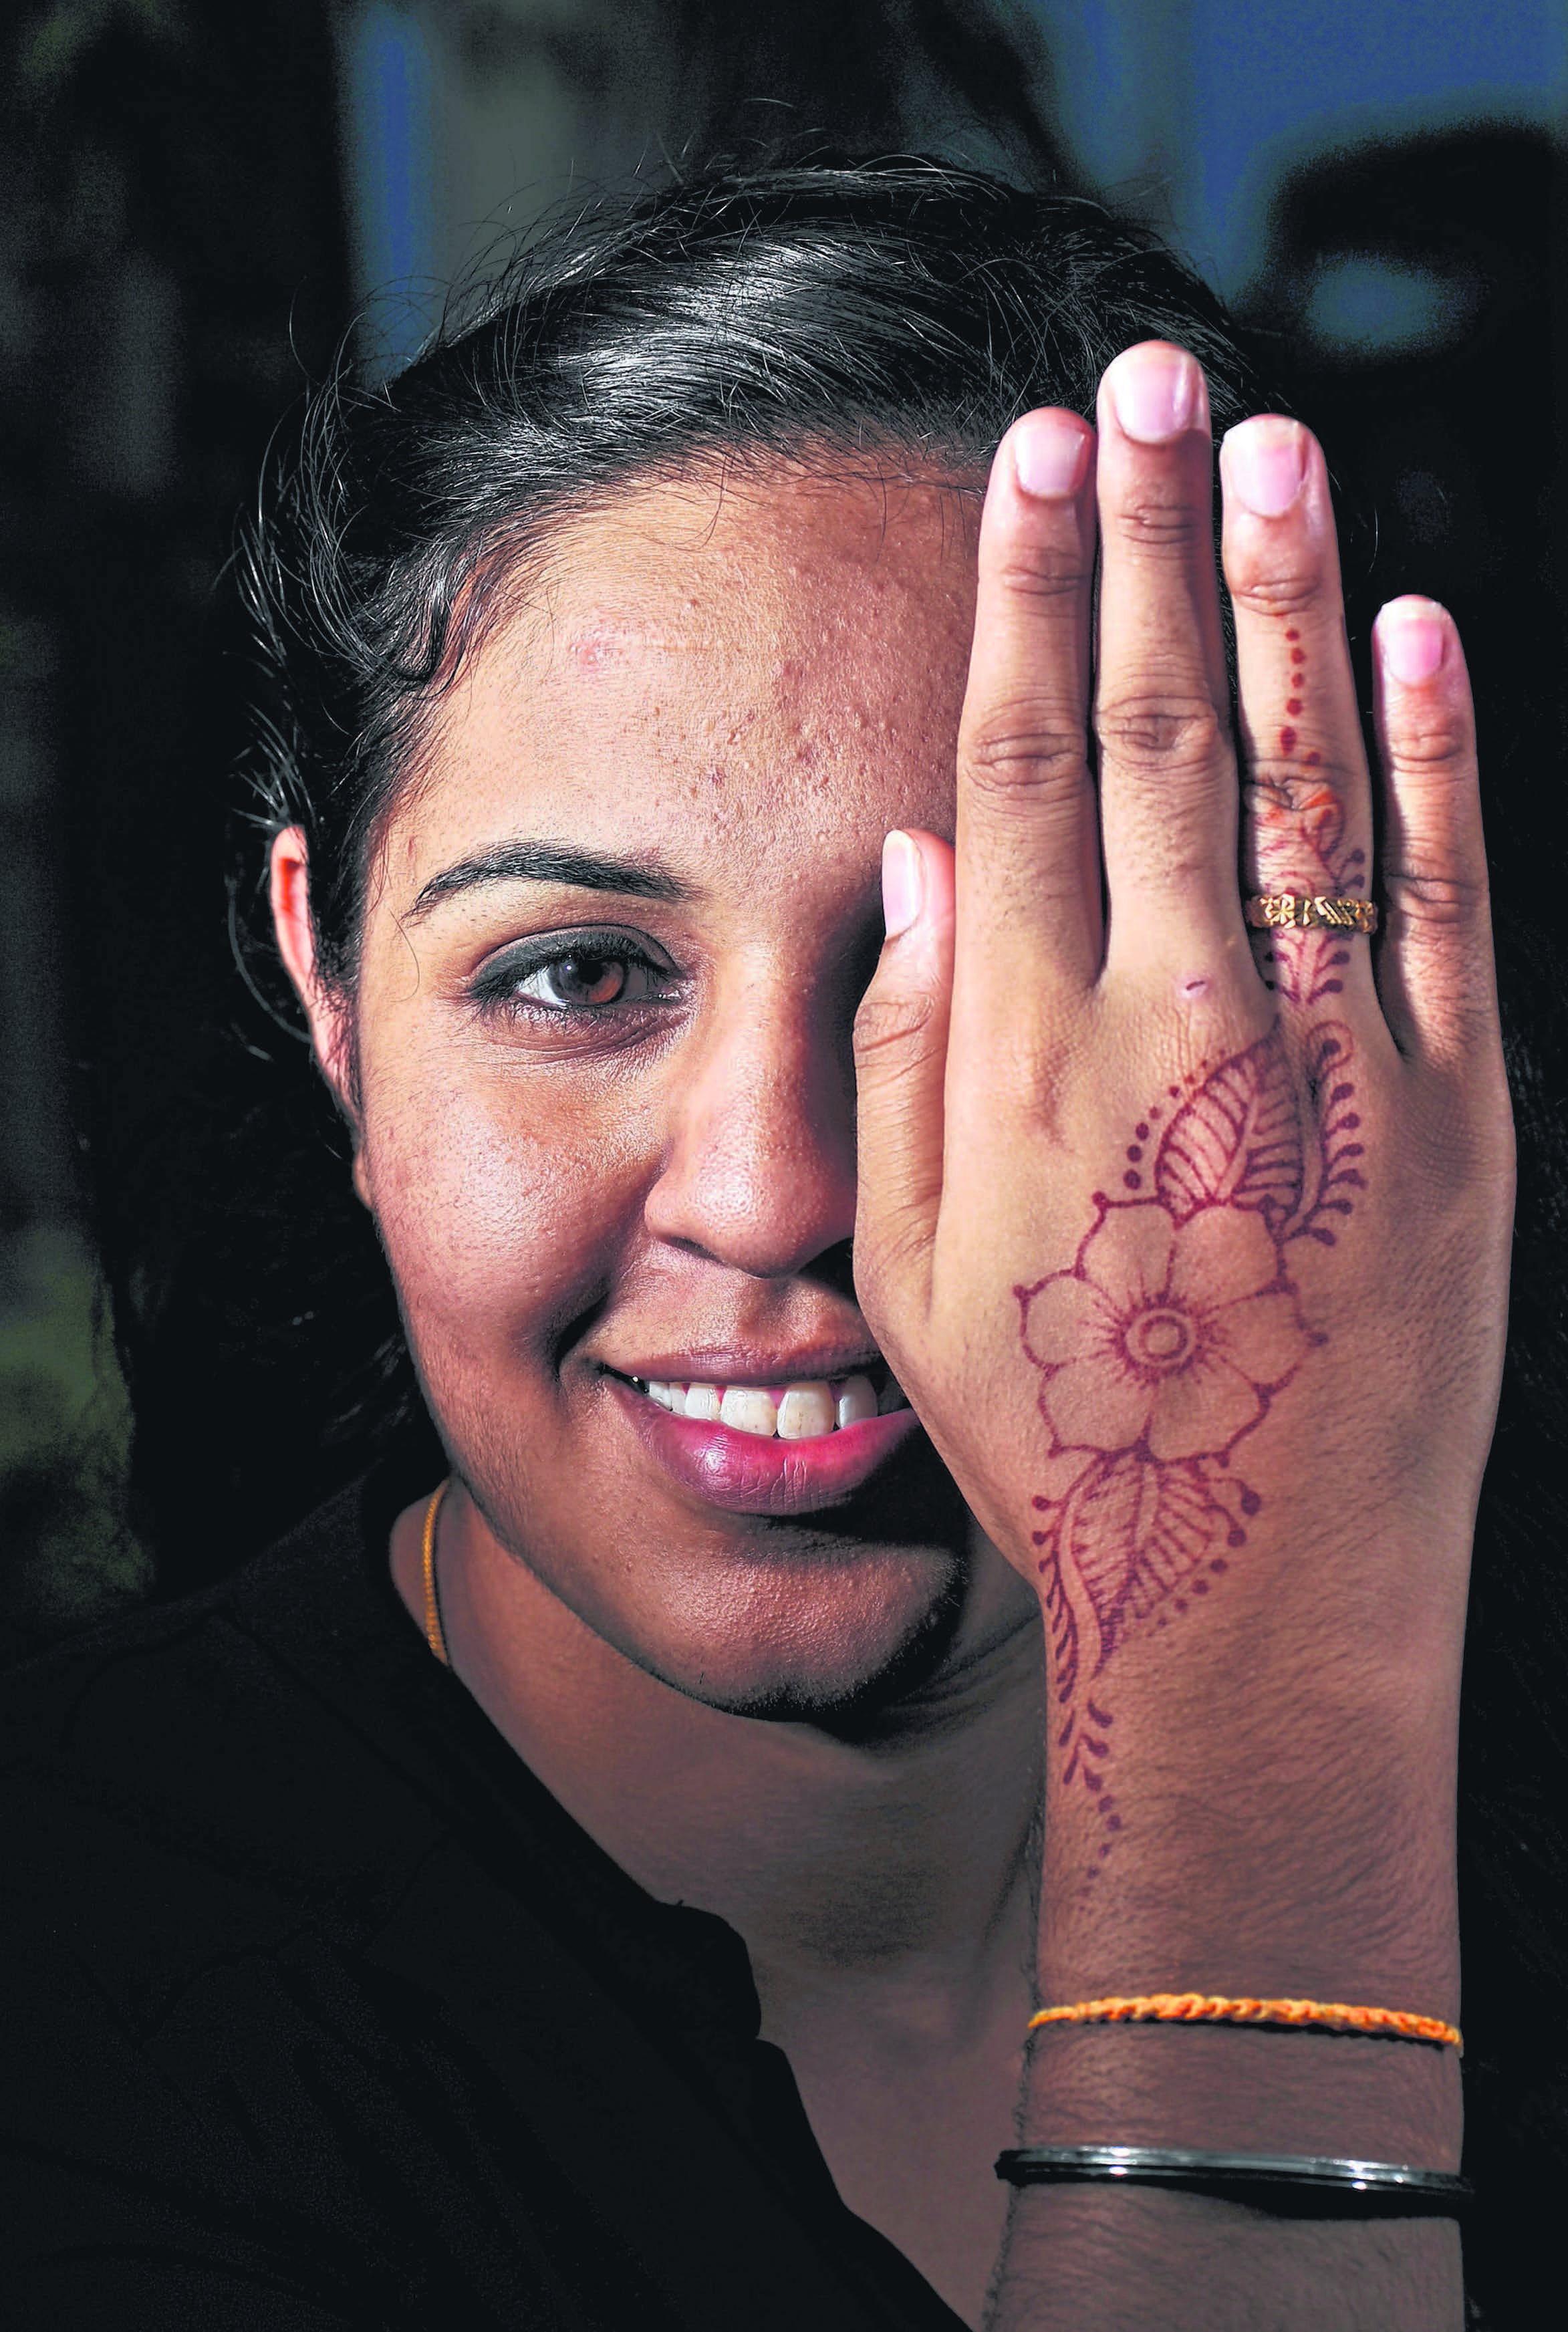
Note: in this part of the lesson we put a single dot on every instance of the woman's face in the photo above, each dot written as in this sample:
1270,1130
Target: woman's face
606,1102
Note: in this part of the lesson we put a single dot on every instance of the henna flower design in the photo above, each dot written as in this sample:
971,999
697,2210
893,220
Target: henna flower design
1165,1338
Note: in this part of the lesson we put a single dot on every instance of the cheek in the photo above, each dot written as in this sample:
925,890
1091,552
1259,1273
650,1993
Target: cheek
502,1211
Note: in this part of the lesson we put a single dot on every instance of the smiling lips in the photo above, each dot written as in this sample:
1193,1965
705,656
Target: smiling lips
769,1449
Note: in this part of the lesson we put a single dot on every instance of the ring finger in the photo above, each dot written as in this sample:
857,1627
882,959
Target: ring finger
1308,824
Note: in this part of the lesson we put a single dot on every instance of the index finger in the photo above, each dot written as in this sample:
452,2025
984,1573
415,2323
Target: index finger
1028,881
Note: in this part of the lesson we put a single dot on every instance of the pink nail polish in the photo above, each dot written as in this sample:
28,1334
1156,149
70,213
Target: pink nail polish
1264,464
1154,392
1412,639
1050,455
903,883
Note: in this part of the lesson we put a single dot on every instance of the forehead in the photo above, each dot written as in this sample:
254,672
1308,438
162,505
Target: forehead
700,664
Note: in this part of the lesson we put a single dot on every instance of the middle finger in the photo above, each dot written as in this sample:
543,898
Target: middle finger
1167,770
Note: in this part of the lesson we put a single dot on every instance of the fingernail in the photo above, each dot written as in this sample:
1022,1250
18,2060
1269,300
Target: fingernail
1050,454
1155,392
1413,639
1263,463
903,883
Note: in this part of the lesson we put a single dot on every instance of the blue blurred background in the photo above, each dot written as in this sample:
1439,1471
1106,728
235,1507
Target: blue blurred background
1190,111
199,197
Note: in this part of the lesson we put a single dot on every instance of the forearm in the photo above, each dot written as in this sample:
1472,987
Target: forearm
1270,1852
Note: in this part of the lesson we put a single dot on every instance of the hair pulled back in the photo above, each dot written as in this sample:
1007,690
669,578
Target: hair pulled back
904,307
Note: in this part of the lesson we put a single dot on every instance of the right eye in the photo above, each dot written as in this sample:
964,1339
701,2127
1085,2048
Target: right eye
590,977
583,978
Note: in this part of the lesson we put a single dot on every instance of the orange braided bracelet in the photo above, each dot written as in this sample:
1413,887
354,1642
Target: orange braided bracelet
1203,2008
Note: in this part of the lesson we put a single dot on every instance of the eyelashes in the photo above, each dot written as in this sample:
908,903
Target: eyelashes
584,976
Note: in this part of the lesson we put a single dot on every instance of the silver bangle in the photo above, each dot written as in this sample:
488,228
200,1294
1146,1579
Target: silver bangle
1289,2184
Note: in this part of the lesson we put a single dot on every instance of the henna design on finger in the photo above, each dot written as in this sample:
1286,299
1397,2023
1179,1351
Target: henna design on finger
1163,1348
1297,832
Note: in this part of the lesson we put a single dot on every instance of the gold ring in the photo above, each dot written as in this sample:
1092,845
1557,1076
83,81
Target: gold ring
1293,910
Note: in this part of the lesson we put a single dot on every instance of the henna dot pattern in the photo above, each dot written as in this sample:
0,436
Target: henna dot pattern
1161,1348
1299,844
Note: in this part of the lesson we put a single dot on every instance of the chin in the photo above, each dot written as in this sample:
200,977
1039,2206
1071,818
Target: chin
825,1619
831,1640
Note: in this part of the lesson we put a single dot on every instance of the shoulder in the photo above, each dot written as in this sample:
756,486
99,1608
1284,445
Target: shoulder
178,1783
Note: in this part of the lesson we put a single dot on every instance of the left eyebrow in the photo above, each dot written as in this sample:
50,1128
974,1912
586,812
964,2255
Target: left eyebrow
637,877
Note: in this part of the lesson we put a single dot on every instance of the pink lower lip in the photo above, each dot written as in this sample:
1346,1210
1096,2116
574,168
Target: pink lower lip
746,1475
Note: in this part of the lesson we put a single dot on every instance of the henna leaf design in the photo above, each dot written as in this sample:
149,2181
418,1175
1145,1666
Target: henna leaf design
1237,1140
1135,1533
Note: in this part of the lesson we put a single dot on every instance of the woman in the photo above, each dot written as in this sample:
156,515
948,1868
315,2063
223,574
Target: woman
939,1305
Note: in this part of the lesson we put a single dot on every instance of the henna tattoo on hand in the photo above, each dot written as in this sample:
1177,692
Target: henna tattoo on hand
1163,1347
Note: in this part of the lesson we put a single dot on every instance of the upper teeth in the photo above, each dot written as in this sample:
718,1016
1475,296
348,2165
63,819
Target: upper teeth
795,1412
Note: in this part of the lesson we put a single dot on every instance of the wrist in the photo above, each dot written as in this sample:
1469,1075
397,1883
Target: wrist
1291,1841
1229,2088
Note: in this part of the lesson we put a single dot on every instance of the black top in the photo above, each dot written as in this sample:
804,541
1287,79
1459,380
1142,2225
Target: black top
320,2011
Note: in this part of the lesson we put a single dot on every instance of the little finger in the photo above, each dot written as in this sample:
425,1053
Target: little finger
1434,969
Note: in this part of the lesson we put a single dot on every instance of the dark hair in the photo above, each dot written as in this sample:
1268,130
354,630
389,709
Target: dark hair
904,307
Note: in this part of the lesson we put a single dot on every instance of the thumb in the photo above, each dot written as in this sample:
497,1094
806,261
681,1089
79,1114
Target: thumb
900,1033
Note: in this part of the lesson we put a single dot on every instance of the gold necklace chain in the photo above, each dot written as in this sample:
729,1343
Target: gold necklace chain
434,1635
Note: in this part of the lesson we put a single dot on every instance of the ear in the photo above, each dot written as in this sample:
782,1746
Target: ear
324,1008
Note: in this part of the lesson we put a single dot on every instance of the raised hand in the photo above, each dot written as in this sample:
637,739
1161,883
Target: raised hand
1187,1238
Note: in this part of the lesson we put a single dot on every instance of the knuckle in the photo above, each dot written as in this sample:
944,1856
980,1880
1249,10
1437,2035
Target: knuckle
1276,598
1433,898
886,1256
1167,731
1275,792
1027,746
1440,745
1155,529
896,1025
1043,579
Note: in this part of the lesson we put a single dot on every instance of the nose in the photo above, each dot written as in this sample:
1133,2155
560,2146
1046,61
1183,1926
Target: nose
758,1167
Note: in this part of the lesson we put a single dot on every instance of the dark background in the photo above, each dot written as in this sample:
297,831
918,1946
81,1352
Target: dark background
197,199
